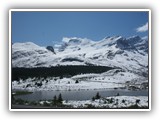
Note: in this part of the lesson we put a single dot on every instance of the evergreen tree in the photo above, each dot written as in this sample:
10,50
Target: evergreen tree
54,100
97,96
60,98
93,98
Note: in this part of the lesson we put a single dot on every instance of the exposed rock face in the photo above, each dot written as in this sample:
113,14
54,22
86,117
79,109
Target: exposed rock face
50,48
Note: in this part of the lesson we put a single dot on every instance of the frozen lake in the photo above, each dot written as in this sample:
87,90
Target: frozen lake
80,95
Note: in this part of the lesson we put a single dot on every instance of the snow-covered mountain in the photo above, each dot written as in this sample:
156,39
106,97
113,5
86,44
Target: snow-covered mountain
127,53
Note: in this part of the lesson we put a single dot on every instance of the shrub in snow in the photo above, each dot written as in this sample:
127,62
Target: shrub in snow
117,94
137,101
46,104
28,85
77,81
105,102
89,106
111,100
123,101
38,84
61,77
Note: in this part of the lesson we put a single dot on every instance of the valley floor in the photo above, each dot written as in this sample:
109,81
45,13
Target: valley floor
113,79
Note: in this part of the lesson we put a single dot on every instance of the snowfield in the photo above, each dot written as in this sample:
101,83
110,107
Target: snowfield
110,79
111,102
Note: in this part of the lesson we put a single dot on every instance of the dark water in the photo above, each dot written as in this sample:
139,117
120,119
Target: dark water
80,95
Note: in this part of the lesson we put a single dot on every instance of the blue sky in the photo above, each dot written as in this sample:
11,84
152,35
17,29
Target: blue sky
46,28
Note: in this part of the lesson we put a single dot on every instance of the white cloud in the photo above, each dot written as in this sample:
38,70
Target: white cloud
143,28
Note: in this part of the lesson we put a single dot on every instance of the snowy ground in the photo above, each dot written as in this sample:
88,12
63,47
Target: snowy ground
108,102
111,102
110,79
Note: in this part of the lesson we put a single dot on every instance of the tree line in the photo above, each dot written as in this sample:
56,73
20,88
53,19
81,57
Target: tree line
56,71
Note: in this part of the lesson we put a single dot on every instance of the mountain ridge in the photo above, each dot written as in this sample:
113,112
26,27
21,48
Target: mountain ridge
126,53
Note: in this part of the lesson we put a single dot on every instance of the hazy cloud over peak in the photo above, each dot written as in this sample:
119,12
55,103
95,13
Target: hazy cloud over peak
143,28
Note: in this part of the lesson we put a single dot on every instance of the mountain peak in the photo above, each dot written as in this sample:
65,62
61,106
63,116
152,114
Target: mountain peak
134,37
26,45
113,37
134,40
109,41
76,41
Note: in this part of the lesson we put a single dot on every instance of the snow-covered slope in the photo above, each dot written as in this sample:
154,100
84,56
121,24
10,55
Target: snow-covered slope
127,53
